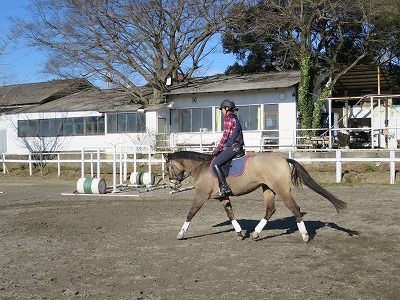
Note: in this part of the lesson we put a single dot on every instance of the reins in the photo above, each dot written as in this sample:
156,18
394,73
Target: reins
187,174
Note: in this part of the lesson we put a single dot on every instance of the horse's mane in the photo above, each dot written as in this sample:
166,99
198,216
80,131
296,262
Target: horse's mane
190,155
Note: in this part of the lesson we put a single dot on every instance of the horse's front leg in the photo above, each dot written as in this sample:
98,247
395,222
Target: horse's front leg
229,212
198,202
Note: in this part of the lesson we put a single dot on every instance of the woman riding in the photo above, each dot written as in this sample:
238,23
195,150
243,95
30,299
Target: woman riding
230,144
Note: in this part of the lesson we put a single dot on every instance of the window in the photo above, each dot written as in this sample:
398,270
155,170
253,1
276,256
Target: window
28,128
94,125
73,126
61,127
191,119
126,122
50,127
271,123
249,117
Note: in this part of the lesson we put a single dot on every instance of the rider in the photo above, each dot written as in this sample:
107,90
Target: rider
230,144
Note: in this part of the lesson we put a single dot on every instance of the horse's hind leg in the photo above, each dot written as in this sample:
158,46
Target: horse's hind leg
295,209
269,201
229,212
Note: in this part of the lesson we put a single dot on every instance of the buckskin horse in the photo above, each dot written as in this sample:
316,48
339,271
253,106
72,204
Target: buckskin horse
273,173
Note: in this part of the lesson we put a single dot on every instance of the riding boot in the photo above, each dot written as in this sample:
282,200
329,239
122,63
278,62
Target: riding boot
224,189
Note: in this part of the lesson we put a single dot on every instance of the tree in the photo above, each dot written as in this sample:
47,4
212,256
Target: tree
324,39
126,41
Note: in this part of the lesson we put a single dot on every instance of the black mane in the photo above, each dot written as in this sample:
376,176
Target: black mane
190,155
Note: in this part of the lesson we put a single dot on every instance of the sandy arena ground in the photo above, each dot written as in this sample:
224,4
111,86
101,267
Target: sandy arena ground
71,247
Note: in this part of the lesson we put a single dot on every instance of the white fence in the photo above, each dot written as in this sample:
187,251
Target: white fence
119,158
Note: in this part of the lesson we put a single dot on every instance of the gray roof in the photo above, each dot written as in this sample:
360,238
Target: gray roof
363,79
41,92
92,99
224,83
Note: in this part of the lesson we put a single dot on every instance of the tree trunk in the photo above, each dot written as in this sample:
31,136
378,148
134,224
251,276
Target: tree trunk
326,91
305,100
158,96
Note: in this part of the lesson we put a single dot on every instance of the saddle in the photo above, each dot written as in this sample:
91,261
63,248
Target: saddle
234,167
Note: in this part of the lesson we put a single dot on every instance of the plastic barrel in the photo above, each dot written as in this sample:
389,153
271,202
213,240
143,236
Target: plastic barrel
142,178
91,185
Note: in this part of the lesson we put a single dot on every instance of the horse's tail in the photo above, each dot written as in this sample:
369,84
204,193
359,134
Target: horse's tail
300,175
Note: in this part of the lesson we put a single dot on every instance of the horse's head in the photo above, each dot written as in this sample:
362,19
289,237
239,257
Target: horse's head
176,172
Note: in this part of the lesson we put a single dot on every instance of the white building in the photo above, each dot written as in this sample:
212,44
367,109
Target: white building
267,105
69,115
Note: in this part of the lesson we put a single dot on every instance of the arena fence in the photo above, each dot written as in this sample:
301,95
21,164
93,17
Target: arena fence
123,159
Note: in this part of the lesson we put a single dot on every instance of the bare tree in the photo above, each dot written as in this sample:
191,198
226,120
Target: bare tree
126,41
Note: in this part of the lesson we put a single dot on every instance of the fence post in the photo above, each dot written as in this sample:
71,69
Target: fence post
30,164
338,166
149,160
98,162
82,163
4,163
115,170
58,165
162,165
392,166
125,166
120,166
91,164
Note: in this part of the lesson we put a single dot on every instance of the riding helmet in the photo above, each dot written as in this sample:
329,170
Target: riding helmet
228,103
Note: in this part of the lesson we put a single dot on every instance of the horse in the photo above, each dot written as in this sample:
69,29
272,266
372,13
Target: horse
267,170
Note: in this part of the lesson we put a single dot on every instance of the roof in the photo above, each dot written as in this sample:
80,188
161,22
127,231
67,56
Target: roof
41,92
363,79
224,83
92,99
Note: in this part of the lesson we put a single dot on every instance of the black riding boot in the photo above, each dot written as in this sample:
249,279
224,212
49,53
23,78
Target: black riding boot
224,189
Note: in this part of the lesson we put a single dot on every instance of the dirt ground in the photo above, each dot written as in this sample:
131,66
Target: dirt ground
71,247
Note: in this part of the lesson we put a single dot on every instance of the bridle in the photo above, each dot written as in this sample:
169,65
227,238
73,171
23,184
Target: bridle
180,175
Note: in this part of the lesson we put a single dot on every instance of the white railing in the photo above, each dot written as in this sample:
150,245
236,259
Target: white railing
117,157
119,160
338,160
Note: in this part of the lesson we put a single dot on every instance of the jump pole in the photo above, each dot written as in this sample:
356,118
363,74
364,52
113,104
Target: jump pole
182,190
100,195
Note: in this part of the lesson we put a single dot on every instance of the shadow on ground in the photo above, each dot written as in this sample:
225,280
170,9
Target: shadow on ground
288,224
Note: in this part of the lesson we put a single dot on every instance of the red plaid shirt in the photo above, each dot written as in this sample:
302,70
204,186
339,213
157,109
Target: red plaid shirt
230,125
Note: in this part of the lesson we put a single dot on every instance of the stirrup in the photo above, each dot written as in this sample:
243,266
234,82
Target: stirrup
224,192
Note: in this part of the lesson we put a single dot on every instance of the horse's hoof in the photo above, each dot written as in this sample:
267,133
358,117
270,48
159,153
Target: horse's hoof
306,237
239,236
255,235
180,235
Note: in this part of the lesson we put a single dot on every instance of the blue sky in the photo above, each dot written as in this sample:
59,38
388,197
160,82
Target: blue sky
21,64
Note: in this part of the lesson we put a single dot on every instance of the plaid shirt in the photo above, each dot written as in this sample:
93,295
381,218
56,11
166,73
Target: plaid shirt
230,125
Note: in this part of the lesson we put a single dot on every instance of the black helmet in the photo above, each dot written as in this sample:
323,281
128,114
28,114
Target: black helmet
228,103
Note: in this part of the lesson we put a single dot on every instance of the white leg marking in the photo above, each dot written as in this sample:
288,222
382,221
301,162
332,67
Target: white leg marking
236,225
185,226
260,226
303,231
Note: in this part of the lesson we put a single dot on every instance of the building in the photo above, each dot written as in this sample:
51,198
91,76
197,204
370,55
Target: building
68,115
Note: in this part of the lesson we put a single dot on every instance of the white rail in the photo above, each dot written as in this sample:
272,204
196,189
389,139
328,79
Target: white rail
120,158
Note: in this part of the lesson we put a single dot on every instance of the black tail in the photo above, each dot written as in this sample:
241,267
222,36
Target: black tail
300,175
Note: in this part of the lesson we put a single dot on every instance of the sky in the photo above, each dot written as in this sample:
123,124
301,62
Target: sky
22,64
